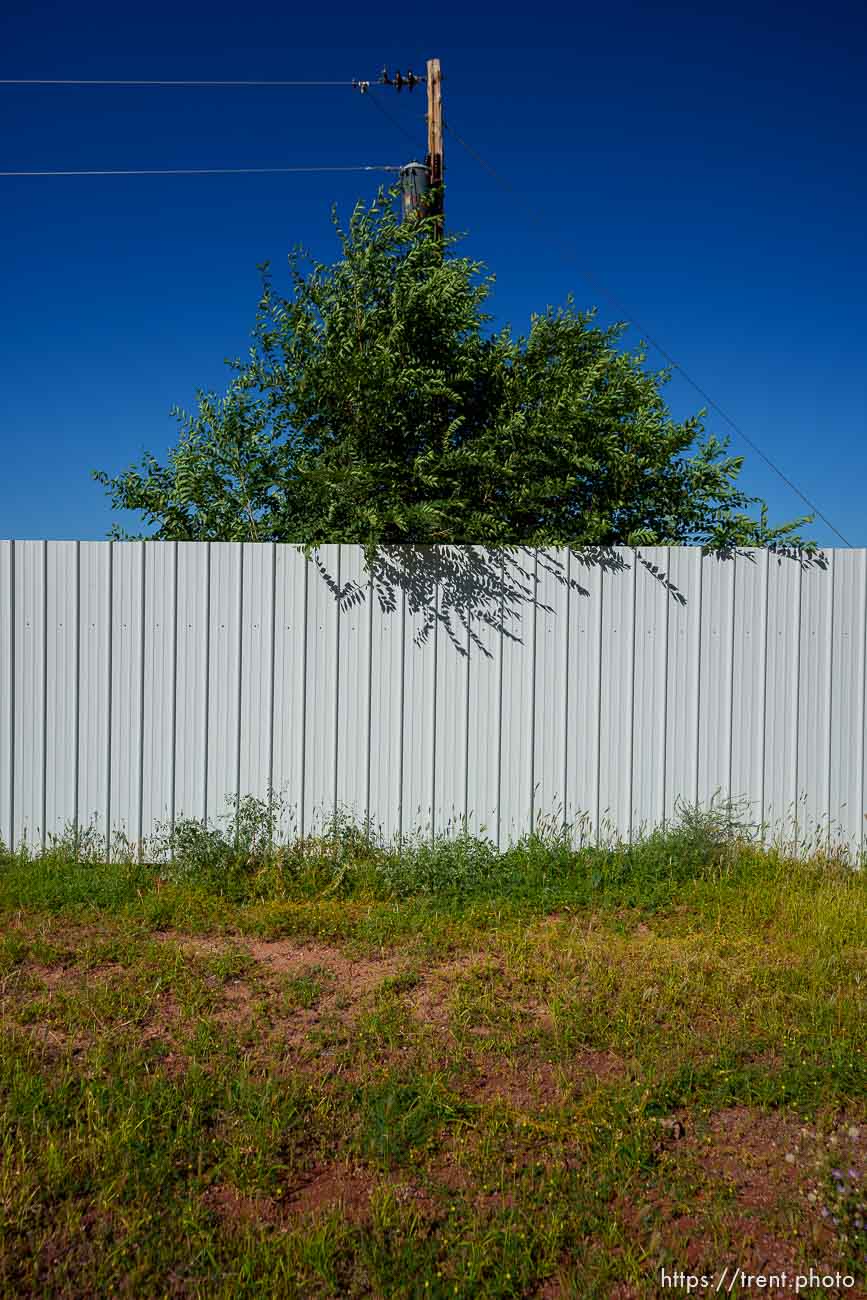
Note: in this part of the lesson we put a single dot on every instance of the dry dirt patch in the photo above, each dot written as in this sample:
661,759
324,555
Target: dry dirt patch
323,1189
429,1001
158,1022
340,1187
524,1082
69,974
286,956
234,1208
331,1187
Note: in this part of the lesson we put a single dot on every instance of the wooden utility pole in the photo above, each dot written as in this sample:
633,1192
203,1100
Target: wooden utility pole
435,143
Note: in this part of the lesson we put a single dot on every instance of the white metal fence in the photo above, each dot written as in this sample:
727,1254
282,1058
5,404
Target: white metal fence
145,682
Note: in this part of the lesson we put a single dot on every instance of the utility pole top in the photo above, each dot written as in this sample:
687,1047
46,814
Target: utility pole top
435,162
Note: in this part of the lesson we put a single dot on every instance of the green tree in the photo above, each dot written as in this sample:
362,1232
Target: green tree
378,406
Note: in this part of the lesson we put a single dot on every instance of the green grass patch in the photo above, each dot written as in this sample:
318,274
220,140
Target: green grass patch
332,1069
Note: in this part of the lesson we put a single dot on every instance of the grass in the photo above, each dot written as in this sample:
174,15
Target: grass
332,1068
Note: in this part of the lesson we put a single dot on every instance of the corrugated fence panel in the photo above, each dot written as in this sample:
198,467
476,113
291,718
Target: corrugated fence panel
616,741
814,704
28,693
223,752
7,689
551,686
354,684
191,687
452,664
387,694
518,793
61,681
420,711
582,705
716,663
683,679
127,687
484,726
141,683
748,681
257,671
96,561
160,654
847,696
321,687
781,697
290,648
649,696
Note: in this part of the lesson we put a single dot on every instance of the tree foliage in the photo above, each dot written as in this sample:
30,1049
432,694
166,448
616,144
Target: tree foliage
378,406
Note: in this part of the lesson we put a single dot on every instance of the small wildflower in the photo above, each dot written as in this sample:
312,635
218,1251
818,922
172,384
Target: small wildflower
790,1159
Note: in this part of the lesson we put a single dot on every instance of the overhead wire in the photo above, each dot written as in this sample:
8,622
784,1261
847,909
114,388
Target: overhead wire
46,81
675,365
374,99
199,171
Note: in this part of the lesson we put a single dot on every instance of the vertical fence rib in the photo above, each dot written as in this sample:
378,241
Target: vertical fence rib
173,732
566,617
533,670
141,700
12,696
500,648
239,696
663,759
697,713
861,746
76,688
305,620
272,665
336,685
368,756
731,681
796,703
108,680
829,694
44,812
433,739
467,725
402,722
206,710
597,797
632,670
763,730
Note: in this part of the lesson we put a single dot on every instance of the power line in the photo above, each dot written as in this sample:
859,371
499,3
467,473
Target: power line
391,118
44,81
612,298
200,171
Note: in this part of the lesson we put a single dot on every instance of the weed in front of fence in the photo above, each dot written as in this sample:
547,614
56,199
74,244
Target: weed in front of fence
243,861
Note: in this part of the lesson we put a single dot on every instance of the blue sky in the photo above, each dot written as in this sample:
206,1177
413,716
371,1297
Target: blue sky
705,166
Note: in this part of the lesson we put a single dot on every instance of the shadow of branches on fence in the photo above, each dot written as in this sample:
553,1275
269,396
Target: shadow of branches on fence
468,588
